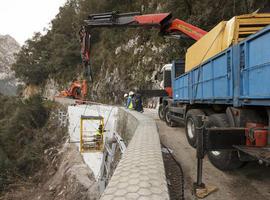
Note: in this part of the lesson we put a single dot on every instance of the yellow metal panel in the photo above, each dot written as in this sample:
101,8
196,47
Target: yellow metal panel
254,20
206,47
246,32
254,15
228,35
250,28
224,35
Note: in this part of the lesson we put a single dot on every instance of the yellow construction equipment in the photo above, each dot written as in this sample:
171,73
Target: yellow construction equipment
91,140
225,34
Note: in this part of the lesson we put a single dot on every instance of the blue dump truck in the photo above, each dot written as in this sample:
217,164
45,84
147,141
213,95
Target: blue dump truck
228,97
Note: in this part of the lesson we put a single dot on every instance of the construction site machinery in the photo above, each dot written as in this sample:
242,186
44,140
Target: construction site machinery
231,91
164,22
77,90
91,137
223,98
226,85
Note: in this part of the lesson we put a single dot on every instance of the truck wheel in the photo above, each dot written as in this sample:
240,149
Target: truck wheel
161,112
167,119
191,124
224,160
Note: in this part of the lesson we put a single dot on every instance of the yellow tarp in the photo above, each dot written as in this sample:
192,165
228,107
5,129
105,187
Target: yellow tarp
224,35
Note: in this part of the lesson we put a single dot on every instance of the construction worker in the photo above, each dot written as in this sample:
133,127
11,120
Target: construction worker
98,136
99,131
125,99
130,100
138,103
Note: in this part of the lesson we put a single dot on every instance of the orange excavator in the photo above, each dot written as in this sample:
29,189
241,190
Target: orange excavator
163,21
77,90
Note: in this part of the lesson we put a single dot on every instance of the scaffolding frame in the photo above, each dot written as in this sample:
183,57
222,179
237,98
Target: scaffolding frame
94,144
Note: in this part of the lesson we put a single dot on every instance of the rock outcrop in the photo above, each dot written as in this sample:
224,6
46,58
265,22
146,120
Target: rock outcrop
8,47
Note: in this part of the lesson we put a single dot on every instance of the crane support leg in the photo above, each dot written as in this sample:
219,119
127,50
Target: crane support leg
199,188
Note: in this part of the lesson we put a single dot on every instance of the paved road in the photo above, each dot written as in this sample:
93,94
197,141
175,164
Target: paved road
252,182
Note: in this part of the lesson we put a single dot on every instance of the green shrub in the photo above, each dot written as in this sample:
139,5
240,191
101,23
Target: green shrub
24,135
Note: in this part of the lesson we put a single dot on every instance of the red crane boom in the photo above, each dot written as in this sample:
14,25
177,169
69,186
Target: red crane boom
163,21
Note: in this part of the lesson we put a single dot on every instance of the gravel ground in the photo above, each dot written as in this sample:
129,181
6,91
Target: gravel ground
249,183
174,177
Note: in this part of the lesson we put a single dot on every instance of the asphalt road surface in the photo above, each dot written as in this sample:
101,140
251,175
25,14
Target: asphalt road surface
252,182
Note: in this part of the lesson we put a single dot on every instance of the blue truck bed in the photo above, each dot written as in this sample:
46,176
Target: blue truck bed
238,76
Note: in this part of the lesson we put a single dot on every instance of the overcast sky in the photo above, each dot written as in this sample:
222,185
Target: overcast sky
21,18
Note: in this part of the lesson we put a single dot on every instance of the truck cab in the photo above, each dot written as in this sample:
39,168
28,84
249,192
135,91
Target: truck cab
168,71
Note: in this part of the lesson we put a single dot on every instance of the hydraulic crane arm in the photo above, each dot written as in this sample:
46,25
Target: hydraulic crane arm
162,21
179,26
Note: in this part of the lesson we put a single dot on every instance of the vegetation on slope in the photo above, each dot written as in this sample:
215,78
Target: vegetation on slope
25,133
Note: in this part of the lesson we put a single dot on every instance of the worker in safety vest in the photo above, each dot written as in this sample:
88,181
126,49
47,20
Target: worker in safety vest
130,100
99,131
98,135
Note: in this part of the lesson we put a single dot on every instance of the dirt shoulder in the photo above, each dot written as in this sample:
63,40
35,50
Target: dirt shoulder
249,183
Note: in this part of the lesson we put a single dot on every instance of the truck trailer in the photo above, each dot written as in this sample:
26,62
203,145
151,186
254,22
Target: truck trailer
228,97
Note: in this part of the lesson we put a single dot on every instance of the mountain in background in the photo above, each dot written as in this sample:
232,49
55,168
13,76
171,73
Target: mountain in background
8,47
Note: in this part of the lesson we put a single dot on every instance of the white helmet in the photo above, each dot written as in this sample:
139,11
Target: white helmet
126,95
131,93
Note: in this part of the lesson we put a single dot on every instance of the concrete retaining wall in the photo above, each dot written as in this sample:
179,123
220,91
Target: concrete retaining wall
126,124
140,173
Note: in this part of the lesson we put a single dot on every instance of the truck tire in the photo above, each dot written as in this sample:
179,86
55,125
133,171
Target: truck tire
191,125
161,112
224,160
167,119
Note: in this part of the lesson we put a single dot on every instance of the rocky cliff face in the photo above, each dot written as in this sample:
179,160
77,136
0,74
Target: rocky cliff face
8,47
132,67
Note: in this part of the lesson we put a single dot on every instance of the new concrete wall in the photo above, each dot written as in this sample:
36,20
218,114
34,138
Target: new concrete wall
140,173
